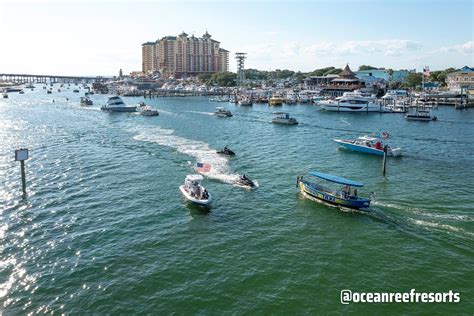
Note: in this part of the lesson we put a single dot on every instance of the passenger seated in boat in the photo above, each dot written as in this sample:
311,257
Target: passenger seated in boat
378,145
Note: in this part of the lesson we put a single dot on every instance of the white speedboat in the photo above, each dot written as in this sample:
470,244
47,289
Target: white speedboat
5,95
194,191
85,101
146,110
370,145
245,101
115,104
222,112
352,102
284,118
424,115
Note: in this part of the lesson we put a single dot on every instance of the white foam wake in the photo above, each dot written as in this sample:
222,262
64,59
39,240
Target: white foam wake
197,149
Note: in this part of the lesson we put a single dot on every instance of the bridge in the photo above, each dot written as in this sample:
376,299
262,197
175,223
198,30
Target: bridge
26,78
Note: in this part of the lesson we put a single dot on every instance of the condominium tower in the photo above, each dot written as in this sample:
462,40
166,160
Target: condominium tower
182,55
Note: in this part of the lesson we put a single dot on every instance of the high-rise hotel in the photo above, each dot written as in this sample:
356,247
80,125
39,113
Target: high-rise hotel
182,55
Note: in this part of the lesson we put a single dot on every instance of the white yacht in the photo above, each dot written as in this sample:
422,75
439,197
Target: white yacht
115,104
222,112
194,191
284,118
352,102
146,110
422,114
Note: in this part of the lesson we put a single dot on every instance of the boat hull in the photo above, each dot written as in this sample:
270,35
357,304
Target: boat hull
324,197
119,109
336,107
194,200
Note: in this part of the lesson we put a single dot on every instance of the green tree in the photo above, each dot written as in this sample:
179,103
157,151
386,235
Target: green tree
367,67
413,79
224,79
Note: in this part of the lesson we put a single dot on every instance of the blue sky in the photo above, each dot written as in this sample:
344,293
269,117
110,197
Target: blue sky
99,37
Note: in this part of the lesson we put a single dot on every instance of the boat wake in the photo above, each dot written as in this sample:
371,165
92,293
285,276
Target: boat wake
220,170
198,112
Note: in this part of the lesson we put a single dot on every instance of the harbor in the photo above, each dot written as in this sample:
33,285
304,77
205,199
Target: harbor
145,160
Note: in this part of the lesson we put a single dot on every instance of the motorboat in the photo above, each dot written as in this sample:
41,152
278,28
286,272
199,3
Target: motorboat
424,115
245,182
284,118
303,97
5,95
222,112
194,191
21,92
13,89
291,97
370,145
75,90
49,91
85,101
30,86
115,104
146,110
345,197
275,101
352,102
226,151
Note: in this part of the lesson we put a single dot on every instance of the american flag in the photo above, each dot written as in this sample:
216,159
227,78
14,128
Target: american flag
203,167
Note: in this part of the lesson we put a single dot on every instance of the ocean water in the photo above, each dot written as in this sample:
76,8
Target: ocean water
104,228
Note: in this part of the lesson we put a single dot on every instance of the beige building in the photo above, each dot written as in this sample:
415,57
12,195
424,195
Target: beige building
462,78
183,55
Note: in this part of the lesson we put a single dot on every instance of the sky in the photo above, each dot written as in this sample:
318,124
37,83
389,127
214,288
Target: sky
102,36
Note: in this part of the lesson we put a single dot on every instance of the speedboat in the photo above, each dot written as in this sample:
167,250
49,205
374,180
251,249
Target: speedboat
370,145
275,101
146,110
194,191
245,182
85,101
421,115
115,104
344,197
222,112
352,102
284,118
226,151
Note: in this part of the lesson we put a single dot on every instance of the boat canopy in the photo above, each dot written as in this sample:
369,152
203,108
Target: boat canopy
336,179
194,177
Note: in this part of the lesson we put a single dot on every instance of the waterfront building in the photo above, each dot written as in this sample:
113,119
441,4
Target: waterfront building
184,55
318,82
463,78
346,81
397,75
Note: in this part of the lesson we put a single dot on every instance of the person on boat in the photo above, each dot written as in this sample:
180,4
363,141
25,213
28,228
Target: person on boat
378,145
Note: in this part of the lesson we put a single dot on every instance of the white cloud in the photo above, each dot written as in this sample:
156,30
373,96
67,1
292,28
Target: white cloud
465,49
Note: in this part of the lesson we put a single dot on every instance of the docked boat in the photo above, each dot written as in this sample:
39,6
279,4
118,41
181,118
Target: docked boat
226,151
303,97
370,145
245,182
85,101
146,110
343,197
352,102
13,89
194,191
245,101
424,115
275,101
223,98
291,97
30,86
115,104
284,118
222,112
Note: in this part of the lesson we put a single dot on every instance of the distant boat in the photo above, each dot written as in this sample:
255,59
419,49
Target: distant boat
352,102
85,101
275,101
345,197
245,101
49,91
5,95
146,110
194,191
115,104
75,90
226,151
21,92
284,118
222,112
424,115
370,145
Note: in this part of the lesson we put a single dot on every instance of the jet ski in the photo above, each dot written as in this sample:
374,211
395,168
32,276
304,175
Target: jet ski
226,151
245,181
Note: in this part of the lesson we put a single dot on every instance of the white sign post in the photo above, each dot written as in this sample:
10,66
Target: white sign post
21,155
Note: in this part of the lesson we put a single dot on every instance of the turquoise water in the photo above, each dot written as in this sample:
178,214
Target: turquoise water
104,228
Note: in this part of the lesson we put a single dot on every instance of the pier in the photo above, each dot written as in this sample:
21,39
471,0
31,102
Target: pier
28,78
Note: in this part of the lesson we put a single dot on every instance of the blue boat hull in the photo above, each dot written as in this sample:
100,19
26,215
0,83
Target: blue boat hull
352,202
362,149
